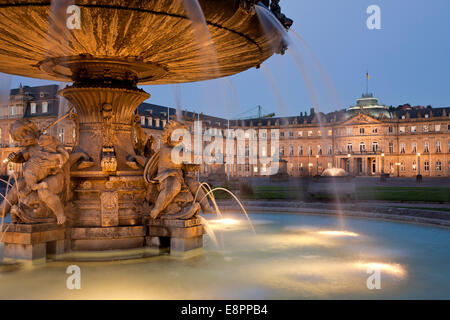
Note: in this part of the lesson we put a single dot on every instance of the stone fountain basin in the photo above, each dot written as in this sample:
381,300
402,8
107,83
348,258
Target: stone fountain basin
153,39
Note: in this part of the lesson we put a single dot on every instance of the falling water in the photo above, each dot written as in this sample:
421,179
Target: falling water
5,87
177,97
275,89
238,201
329,84
57,28
202,36
270,25
209,231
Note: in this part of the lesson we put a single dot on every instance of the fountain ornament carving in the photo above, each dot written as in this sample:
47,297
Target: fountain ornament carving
109,185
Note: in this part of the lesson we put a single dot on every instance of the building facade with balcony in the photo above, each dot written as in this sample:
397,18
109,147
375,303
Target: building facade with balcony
367,139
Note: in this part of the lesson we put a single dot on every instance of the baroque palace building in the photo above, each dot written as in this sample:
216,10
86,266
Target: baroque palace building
366,139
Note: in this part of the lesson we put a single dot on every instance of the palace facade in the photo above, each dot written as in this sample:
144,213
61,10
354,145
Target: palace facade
367,139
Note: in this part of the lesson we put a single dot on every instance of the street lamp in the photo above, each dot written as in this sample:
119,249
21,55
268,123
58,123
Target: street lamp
349,163
317,157
419,176
383,176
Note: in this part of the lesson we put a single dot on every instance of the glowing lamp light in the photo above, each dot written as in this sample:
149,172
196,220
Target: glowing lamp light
394,269
335,233
225,221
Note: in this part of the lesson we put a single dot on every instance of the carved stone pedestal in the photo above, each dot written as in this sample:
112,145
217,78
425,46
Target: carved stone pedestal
33,242
177,237
108,238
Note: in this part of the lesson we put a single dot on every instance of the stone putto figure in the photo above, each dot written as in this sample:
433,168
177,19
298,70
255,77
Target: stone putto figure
40,194
172,187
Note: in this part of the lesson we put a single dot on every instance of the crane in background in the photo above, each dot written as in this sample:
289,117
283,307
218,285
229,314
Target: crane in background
259,115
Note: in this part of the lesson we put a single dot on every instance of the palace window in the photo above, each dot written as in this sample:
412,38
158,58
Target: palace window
142,121
247,151
300,150
247,167
349,147
414,166
350,131
438,165
362,147
44,107
426,166
61,135
300,133
12,110
414,147
282,151
448,127
437,127
330,150
448,146
361,130
291,134
401,130
330,132
413,129
426,147
438,147
402,166
391,147
402,148
282,134
264,135
319,149
309,133
375,130
425,128
375,146
391,129
310,150
319,133
33,107
291,150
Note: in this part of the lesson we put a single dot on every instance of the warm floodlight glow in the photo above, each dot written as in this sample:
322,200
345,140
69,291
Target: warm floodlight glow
226,222
391,268
336,233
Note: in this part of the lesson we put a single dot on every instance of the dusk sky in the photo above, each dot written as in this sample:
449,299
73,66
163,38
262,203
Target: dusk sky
408,61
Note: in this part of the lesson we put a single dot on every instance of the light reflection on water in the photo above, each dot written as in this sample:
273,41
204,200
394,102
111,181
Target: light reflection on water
287,258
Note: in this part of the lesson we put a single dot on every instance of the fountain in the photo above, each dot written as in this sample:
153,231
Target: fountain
106,195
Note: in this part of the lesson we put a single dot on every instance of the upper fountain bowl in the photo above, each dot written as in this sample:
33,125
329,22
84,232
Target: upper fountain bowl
154,40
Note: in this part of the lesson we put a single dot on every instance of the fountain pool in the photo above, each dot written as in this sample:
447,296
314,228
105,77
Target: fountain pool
289,257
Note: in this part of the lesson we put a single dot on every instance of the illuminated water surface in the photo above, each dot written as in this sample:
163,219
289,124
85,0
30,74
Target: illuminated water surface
290,257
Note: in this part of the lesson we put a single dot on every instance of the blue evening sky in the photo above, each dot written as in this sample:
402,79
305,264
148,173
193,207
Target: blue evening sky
408,60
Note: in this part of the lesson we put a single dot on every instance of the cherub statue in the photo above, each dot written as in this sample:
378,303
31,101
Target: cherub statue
172,184
169,173
44,180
